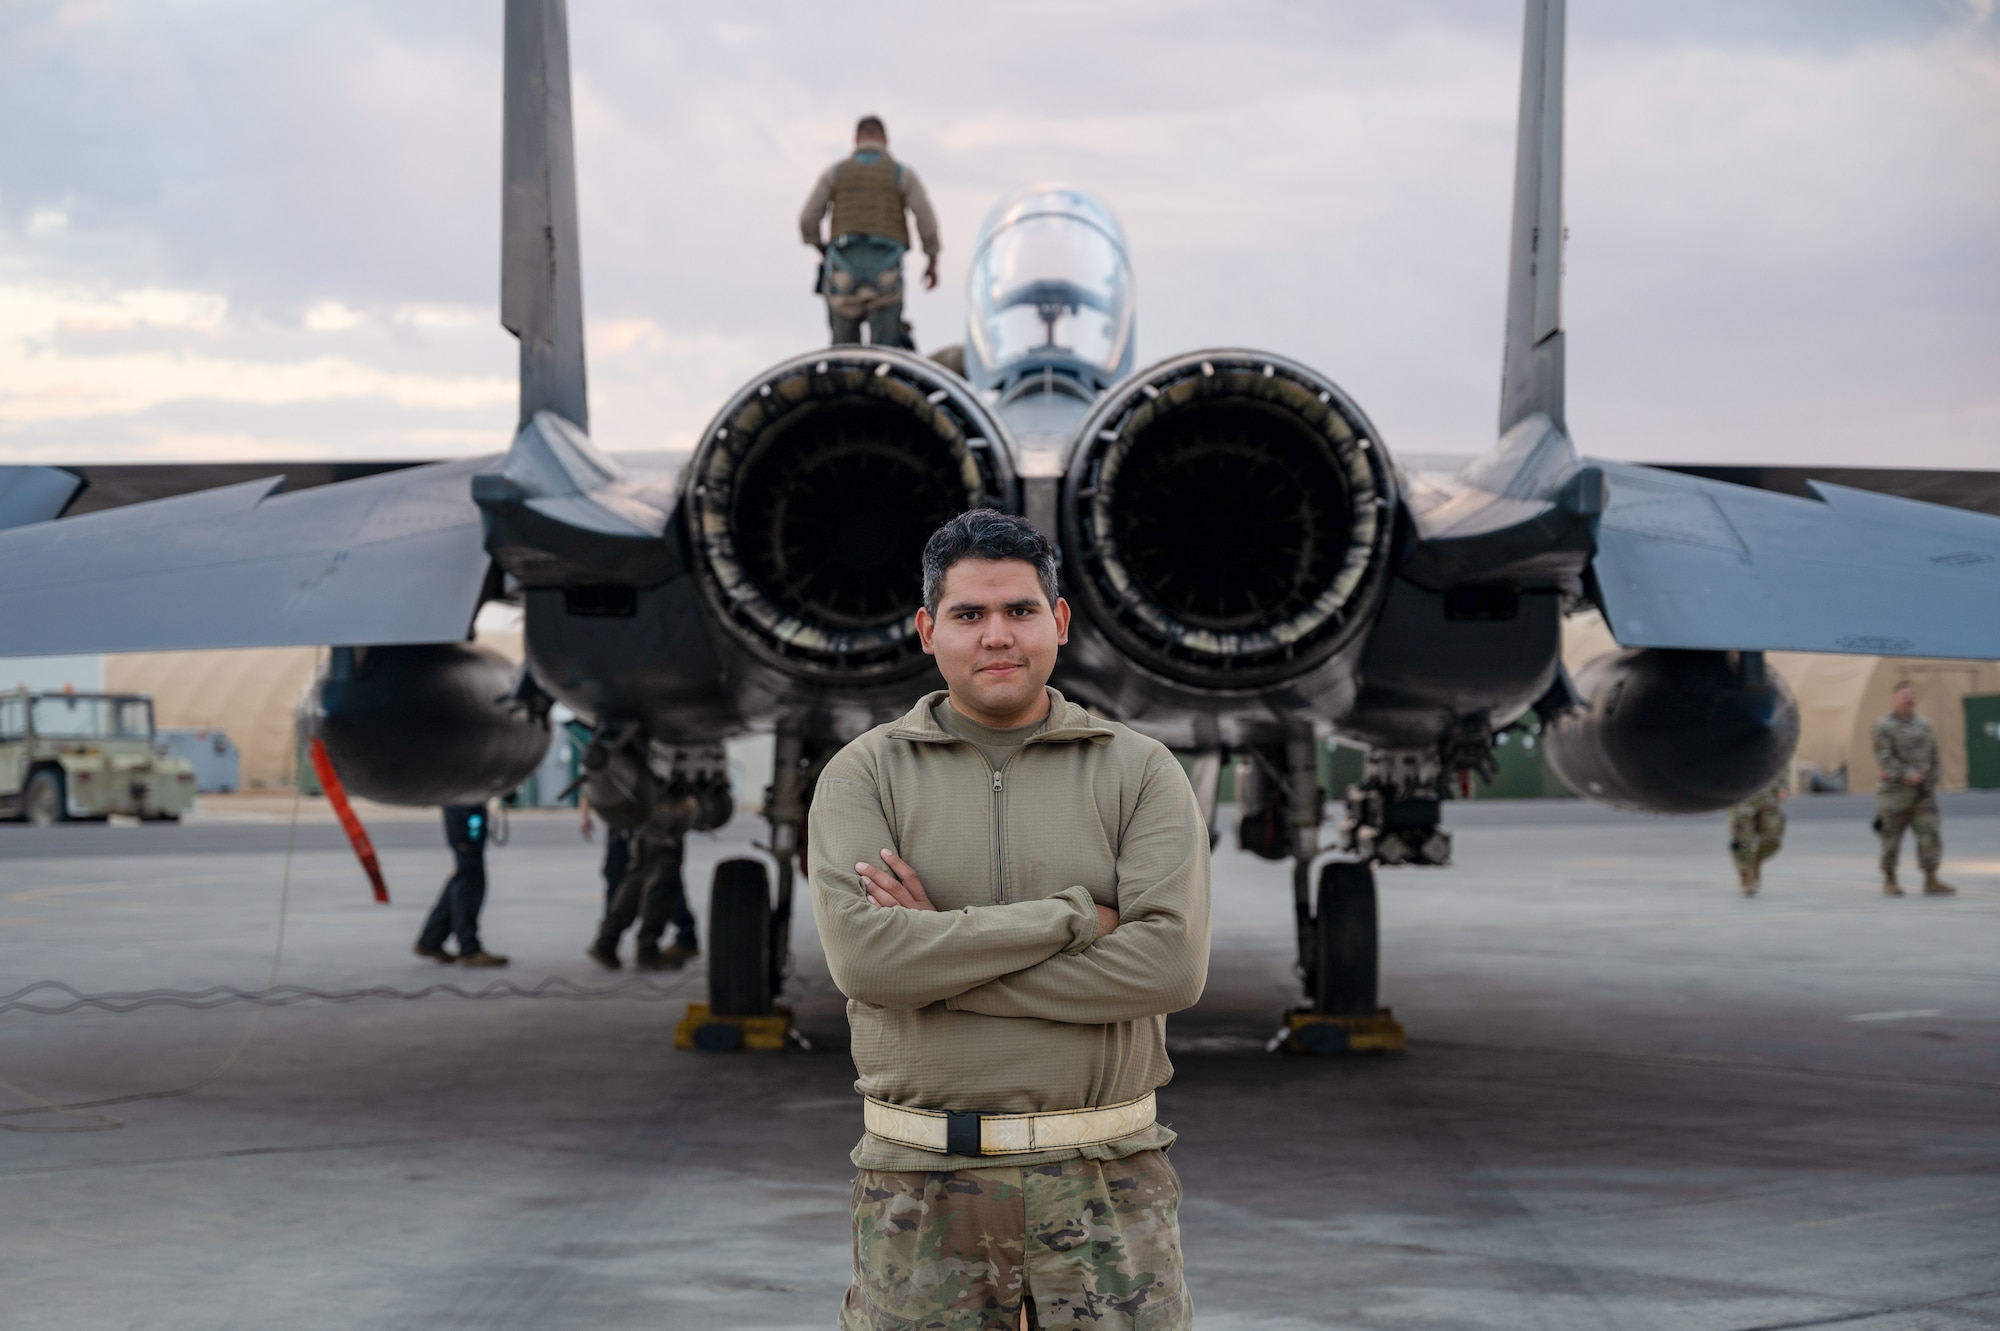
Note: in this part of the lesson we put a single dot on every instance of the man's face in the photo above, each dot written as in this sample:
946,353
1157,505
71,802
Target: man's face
995,638
863,142
1906,702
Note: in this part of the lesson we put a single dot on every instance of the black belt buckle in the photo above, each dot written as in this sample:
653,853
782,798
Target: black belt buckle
961,1133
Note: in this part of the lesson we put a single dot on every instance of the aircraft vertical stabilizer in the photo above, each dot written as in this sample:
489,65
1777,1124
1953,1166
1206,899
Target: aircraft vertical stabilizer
1531,376
541,280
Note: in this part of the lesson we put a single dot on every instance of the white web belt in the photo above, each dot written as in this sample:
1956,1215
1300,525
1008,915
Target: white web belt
958,1133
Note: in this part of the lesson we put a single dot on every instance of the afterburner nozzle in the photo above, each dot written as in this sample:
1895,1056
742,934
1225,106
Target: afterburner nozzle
1228,517
812,494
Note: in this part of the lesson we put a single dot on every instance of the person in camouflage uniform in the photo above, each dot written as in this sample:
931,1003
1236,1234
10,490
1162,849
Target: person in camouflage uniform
1021,983
1757,832
1099,1244
1906,751
863,202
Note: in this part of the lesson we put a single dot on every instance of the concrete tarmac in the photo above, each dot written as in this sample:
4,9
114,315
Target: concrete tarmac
1633,1099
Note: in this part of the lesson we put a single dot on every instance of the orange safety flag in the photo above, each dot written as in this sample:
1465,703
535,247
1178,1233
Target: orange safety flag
357,835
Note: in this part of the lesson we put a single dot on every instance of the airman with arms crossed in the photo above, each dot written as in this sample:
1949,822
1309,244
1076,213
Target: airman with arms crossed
1013,894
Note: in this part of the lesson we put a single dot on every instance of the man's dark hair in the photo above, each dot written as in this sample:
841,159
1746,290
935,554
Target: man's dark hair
871,125
986,533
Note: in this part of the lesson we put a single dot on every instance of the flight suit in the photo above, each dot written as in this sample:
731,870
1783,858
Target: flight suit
1757,832
862,273
1903,747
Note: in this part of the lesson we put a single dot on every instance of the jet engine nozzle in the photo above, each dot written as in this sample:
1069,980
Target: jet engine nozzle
1674,731
812,494
1227,518
426,724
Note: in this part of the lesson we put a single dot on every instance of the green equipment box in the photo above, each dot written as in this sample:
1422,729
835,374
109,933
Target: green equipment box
1982,740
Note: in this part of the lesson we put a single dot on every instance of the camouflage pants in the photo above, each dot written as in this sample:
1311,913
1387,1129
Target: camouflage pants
1755,835
1905,806
1081,1243
885,326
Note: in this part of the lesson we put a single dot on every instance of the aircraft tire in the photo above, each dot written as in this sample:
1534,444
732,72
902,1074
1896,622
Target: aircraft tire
1347,940
739,940
43,803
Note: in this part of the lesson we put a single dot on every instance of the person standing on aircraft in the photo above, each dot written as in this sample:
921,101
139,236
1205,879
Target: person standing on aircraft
1013,894
1906,751
861,273
457,909
1757,832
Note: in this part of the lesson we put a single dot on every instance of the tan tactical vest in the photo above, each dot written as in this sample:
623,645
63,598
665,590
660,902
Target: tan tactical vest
866,201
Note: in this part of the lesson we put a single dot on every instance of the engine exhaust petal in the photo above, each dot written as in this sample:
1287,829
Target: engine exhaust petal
811,495
1227,518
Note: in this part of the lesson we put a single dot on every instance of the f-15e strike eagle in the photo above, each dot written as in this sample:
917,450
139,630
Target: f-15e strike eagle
1251,572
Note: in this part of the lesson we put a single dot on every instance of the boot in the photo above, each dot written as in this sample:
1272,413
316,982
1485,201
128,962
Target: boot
1748,878
676,955
1937,887
481,957
646,957
1889,887
604,954
437,954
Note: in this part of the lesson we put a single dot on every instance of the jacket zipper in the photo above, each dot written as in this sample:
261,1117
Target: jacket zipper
1000,817
999,843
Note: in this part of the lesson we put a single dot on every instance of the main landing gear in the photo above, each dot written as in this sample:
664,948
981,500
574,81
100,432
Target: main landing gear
1391,818
1339,947
749,926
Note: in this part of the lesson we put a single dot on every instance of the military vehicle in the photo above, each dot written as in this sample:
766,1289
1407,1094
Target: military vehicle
78,757
1252,573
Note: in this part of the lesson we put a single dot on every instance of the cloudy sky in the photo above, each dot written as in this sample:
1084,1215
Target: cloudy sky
245,229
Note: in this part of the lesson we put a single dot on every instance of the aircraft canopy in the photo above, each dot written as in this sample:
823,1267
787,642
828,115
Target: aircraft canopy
1050,281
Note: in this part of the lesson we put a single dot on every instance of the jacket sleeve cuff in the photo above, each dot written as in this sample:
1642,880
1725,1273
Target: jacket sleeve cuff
1083,928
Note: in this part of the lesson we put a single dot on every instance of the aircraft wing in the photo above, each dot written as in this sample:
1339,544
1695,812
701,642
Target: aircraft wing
391,558
1976,490
1690,562
35,494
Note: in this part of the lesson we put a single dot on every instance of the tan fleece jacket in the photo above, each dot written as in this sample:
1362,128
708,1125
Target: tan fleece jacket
1004,999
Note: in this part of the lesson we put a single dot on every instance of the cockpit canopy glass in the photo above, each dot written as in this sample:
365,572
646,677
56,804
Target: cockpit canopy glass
1050,282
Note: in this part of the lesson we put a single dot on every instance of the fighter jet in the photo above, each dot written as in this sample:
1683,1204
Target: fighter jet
1252,572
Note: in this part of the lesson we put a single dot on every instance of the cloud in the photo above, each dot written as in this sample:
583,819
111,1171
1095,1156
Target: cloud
453,317
31,312
44,377
330,316
36,388
238,221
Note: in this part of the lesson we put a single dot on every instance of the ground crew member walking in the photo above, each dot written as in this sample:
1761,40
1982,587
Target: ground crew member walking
1012,894
649,889
457,909
1757,832
1906,751
861,272
617,864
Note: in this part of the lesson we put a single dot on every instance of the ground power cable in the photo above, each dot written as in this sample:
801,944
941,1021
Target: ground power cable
83,1109
272,995
290,995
